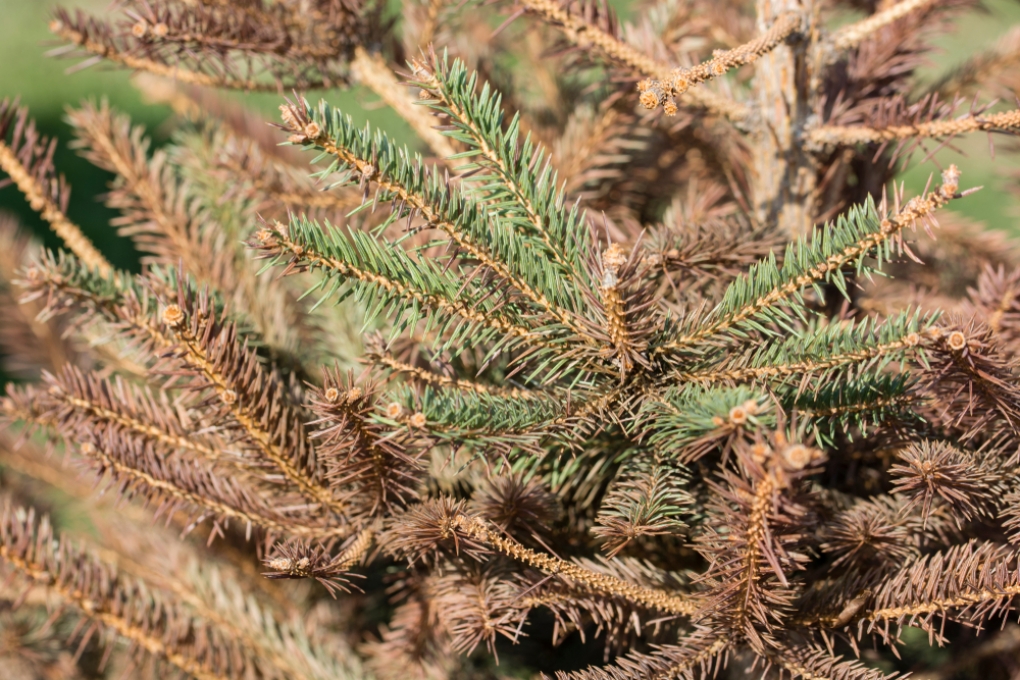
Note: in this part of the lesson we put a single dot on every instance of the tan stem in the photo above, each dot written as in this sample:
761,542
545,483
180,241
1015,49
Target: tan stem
854,34
68,231
670,603
828,136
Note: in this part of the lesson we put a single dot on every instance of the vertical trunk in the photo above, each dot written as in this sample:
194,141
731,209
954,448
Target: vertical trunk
785,174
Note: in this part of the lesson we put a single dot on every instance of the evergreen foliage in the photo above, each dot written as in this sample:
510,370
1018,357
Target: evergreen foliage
637,366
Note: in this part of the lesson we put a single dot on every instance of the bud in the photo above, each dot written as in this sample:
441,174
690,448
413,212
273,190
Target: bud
614,257
738,415
797,456
332,395
957,341
229,397
160,30
287,114
280,564
140,29
649,99
173,316
312,130
394,410
418,420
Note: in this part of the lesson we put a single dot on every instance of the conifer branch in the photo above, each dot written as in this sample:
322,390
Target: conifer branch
655,93
308,253
579,31
874,403
110,53
828,136
29,549
27,159
151,620
475,116
812,663
414,187
247,511
776,448
210,351
156,215
821,350
852,35
427,377
584,34
89,401
116,299
968,582
669,603
697,655
863,235
375,464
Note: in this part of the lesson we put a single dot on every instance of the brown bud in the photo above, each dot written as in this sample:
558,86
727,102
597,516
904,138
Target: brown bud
287,114
649,99
760,452
797,456
280,564
394,410
160,30
173,316
418,420
614,257
332,395
312,130
229,397
140,29
957,341
738,415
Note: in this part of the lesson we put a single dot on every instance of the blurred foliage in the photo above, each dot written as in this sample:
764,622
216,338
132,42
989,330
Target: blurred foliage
47,85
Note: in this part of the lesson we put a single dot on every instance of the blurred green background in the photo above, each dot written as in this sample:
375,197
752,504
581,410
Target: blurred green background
45,86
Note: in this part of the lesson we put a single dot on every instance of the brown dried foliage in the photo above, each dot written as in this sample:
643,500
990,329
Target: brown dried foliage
615,415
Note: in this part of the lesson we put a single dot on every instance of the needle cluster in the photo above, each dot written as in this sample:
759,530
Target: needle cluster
635,364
